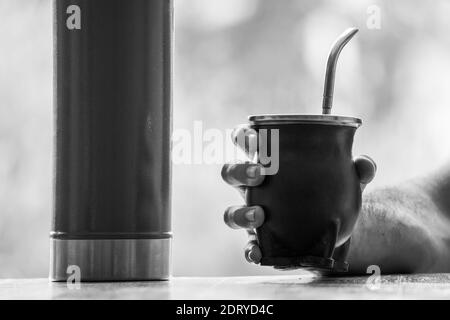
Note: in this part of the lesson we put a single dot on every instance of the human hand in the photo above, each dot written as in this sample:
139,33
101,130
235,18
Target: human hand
243,176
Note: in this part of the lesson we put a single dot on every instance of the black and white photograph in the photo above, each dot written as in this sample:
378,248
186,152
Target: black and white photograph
224,155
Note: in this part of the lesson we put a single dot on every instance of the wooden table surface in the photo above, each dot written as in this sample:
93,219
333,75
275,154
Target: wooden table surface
431,286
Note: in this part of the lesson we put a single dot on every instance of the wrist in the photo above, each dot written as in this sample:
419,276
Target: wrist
398,230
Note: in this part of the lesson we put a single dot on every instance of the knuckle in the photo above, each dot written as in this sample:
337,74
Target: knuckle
242,174
245,138
230,173
224,171
229,217
238,217
238,132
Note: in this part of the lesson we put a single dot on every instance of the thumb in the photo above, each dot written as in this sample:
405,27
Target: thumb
366,169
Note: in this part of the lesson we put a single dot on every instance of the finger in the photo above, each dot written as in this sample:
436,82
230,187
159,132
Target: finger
242,174
253,252
242,217
366,169
246,139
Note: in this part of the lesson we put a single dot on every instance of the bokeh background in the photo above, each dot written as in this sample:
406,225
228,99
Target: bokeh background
234,58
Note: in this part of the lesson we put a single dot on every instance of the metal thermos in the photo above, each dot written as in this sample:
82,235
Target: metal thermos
113,70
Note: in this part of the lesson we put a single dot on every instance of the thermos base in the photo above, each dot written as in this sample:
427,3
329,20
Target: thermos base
110,259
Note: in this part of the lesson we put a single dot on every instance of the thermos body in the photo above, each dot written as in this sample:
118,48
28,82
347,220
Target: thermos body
113,66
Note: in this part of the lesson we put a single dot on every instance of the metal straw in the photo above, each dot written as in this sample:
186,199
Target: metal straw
336,49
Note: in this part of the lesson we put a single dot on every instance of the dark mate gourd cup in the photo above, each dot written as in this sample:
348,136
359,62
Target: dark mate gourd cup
312,203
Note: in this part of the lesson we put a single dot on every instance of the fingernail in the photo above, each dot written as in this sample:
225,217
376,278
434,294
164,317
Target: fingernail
250,215
252,171
371,161
254,255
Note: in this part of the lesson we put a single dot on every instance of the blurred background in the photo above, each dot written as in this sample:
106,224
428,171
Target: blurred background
234,58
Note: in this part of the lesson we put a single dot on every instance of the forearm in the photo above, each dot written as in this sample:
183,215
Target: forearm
402,230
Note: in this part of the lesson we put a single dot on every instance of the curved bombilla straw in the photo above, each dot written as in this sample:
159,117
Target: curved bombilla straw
336,49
